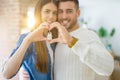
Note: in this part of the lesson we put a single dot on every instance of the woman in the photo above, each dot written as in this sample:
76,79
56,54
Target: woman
32,52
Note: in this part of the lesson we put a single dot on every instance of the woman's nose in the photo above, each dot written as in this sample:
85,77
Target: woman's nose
51,18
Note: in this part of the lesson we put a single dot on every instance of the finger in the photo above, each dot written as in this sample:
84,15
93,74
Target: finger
43,39
24,72
54,25
26,76
44,25
25,79
53,40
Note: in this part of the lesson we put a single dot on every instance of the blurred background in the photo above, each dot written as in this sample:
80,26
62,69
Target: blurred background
16,17
101,16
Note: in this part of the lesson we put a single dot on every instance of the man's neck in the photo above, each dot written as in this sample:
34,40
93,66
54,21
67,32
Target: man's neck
74,28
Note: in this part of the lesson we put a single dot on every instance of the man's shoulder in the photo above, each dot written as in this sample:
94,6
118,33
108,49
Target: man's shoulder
86,34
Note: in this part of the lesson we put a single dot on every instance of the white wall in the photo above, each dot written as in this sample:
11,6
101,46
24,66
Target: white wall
103,13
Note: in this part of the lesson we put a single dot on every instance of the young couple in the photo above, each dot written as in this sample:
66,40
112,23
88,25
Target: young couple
79,53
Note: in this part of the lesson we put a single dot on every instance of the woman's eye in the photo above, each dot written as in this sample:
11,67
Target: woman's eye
46,11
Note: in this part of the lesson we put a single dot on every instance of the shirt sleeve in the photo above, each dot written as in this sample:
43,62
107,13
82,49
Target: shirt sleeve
94,55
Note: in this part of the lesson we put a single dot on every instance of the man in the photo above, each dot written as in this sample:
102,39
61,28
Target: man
79,53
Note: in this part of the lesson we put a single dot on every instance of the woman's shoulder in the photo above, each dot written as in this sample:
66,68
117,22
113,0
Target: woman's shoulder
23,35
21,38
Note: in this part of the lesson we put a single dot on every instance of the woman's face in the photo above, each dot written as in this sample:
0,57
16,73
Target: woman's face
49,13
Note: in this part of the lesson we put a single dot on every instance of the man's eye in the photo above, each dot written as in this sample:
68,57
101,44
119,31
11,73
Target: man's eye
59,11
69,11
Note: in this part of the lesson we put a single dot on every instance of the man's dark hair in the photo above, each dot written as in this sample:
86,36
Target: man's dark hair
75,1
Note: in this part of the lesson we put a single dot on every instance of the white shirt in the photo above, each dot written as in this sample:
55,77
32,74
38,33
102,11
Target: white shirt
51,56
85,58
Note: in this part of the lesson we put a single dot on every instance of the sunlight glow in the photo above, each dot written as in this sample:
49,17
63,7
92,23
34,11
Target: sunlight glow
31,19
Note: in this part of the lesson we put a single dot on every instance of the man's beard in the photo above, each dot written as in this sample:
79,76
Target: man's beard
70,24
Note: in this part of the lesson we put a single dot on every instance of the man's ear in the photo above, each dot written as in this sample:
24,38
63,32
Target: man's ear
78,12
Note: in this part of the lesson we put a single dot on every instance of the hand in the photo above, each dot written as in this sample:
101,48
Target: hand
24,75
63,34
39,33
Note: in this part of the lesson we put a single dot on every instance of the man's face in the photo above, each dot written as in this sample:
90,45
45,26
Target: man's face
68,14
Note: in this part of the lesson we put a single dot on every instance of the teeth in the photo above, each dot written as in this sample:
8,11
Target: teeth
65,22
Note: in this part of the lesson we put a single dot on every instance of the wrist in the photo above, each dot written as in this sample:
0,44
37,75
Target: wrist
28,39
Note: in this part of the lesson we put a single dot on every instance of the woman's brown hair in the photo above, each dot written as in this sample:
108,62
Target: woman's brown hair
40,46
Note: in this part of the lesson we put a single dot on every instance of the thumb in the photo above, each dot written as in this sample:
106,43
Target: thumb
53,41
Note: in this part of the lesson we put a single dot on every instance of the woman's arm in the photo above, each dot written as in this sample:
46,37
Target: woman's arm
14,62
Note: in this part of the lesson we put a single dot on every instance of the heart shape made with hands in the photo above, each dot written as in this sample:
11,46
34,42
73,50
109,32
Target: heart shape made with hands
52,34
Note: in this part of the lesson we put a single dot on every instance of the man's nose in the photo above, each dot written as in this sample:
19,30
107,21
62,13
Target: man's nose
64,15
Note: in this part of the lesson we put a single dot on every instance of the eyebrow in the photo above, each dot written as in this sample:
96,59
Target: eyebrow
48,10
66,9
69,9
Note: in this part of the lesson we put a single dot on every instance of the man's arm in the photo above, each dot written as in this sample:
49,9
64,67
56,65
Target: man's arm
94,54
